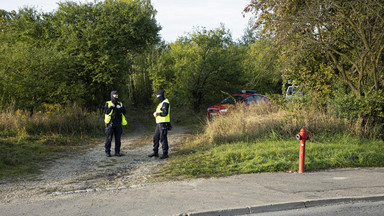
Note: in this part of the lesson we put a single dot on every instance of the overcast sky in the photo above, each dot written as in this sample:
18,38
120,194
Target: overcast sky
177,17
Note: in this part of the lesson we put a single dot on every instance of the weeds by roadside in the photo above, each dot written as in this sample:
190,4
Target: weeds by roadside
252,139
71,120
275,155
26,140
261,138
263,120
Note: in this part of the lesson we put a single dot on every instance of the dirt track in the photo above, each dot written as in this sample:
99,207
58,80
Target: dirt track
92,171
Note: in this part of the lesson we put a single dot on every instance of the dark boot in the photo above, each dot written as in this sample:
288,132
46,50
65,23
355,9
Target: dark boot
108,154
154,154
164,156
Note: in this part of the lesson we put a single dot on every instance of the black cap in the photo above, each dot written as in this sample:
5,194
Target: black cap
159,92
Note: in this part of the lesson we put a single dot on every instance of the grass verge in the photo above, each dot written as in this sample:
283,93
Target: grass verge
27,141
262,139
28,154
337,151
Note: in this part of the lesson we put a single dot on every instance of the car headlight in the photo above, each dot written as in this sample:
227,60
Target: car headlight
224,110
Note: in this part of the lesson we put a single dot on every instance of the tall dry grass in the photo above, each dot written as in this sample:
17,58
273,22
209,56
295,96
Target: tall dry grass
262,120
71,120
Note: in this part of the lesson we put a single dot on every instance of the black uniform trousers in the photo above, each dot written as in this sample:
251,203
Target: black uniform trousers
115,130
161,136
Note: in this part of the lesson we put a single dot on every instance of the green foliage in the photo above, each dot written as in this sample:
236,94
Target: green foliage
261,67
140,84
76,54
312,74
26,26
20,158
103,37
32,76
80,52
367,110
327,45
196,67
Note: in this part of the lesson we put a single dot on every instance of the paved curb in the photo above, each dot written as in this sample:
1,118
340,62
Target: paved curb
284,206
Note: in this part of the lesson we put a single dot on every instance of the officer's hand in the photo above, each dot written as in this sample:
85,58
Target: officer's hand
113,105
118,106
154,114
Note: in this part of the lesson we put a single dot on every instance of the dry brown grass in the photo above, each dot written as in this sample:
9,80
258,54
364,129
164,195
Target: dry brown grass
262,120
71,120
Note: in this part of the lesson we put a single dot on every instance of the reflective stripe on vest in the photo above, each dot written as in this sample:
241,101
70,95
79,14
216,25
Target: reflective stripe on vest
167,118
107,117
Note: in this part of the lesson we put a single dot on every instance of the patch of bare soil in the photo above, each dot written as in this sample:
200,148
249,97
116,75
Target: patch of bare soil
92,171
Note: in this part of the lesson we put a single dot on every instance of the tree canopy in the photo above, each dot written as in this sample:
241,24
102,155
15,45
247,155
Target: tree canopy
76,54
329,44
198,66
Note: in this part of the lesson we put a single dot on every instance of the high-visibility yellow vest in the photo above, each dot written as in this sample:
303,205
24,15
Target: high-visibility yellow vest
107,117
162,119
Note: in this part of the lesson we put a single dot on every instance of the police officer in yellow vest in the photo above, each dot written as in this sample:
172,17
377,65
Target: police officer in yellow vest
163,122
114,119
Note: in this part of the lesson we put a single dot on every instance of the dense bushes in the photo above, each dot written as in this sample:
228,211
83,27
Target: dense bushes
76,54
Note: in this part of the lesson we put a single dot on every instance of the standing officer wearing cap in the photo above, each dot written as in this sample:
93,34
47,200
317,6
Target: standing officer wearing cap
114,119
163,122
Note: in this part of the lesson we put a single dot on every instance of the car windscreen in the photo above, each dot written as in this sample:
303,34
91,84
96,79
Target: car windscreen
231,100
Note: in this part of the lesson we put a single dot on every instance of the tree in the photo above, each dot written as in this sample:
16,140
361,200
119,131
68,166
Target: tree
197,67
250,34
330,44
261,67
140,84
32,76
32,73
104,37
76,54
347,33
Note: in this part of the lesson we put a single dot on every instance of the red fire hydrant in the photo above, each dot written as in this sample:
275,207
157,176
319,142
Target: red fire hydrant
302,136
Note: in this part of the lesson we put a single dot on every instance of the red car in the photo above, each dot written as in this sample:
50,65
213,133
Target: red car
244,96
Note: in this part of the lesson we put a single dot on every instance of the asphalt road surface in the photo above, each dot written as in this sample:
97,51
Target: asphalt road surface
350,209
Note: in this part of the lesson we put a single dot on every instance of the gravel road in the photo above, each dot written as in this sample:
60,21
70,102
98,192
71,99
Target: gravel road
91,170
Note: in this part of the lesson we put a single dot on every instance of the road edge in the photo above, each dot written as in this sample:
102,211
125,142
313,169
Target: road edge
285,206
